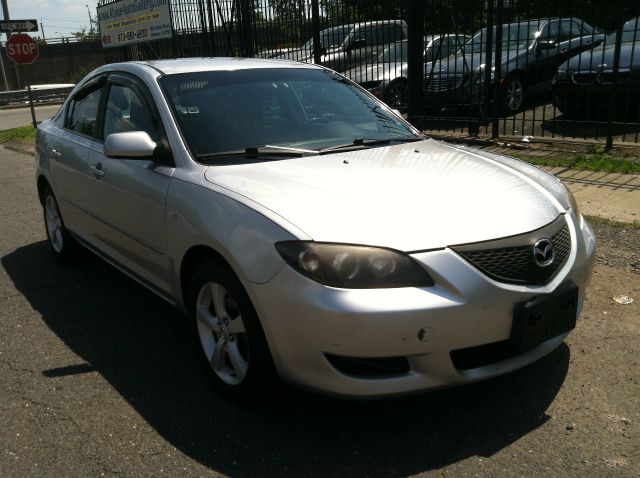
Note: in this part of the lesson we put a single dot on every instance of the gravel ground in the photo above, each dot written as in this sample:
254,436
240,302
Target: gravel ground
99,378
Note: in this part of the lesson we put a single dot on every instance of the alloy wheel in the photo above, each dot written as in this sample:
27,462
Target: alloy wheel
222,333
54,223
514,95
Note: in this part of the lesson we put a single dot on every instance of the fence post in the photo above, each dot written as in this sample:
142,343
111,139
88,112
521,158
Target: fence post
495,96
315,23
415,66
488,61
614,81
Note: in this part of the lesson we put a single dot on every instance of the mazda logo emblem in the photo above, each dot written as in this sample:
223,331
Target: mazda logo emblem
543,253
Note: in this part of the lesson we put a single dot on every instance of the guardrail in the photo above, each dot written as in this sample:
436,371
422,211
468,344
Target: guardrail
40,95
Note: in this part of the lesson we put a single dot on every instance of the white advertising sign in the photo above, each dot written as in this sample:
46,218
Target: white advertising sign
133,21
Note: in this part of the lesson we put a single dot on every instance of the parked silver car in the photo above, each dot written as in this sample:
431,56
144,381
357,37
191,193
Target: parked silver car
387,77
308,230
342,47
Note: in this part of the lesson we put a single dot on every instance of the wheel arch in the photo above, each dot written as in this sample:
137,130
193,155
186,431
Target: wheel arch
42,183
192,259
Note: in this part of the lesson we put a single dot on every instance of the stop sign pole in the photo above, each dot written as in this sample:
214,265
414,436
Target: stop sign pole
23,50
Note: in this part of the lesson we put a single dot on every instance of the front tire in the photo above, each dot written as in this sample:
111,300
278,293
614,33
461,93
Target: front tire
512,95
61,242
229,333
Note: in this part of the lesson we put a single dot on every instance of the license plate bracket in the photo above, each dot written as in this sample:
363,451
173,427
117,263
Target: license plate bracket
544,317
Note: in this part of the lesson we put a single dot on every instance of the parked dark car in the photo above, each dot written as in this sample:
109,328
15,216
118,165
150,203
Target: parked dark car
586,83
532,50
345,46
387,76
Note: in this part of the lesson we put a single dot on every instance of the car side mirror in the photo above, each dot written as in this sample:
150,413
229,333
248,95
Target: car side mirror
546,45
357,44
129,145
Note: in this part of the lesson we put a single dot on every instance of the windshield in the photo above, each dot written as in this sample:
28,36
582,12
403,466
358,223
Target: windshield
395,53
514,36
630,32
330,38
222,111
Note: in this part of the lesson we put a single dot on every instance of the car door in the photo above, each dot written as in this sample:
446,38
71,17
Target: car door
542,67
129,195
577,37
68,152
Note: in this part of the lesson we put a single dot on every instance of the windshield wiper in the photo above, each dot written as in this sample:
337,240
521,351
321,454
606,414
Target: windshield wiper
359,143
255,151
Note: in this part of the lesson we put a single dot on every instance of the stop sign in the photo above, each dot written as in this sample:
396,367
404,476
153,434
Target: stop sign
22,49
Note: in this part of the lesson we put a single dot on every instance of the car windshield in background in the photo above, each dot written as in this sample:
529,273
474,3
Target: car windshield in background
630,32
331,38
515,36
398,52
220,112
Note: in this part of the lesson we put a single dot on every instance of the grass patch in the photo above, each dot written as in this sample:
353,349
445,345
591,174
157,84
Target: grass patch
24,134
590,160
613,223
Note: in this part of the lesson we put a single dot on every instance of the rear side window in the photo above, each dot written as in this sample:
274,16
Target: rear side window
83,112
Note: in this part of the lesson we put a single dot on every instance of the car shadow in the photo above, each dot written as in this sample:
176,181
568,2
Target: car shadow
571,127
144,349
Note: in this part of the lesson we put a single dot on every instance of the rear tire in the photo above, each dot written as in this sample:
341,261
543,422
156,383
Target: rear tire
229,333
61,242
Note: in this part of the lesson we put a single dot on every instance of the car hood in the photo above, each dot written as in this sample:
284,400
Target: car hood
377,72
408,197
601,58
460,64
296,54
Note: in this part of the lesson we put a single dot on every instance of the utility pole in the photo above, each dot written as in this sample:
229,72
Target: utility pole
90,20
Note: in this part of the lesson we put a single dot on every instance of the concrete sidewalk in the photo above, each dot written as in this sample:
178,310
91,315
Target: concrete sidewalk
607,195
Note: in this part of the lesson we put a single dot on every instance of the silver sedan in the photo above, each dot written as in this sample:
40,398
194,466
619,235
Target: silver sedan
308,231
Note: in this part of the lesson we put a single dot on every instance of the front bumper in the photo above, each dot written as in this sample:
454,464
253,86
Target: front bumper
597,97
307,323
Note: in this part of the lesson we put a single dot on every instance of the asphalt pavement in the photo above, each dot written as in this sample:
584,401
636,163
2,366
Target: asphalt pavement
15,117
98,377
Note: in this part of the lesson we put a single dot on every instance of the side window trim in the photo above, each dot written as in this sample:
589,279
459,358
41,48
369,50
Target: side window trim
92,85
129,81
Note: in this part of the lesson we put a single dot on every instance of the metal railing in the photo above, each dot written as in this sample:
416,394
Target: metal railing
529,68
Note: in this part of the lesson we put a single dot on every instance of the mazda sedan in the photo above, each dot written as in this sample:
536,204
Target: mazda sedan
308,231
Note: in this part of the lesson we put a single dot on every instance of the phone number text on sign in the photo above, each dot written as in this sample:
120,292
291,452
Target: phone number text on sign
138,34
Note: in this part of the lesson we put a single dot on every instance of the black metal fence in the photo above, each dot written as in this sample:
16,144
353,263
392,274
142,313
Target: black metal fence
500,68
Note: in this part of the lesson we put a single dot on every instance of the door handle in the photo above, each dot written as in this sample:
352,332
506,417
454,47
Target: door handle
97,170
56,153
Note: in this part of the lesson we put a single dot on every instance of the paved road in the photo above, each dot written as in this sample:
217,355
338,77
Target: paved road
12,118
99,378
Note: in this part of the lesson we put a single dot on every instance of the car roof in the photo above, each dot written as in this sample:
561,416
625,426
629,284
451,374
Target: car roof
190,65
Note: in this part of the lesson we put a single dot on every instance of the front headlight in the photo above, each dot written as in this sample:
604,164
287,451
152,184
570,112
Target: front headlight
353,267
572,201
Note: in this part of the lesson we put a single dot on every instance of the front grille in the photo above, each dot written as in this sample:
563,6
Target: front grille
481,355
369,367
443,83
511,260
587,78
608,77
